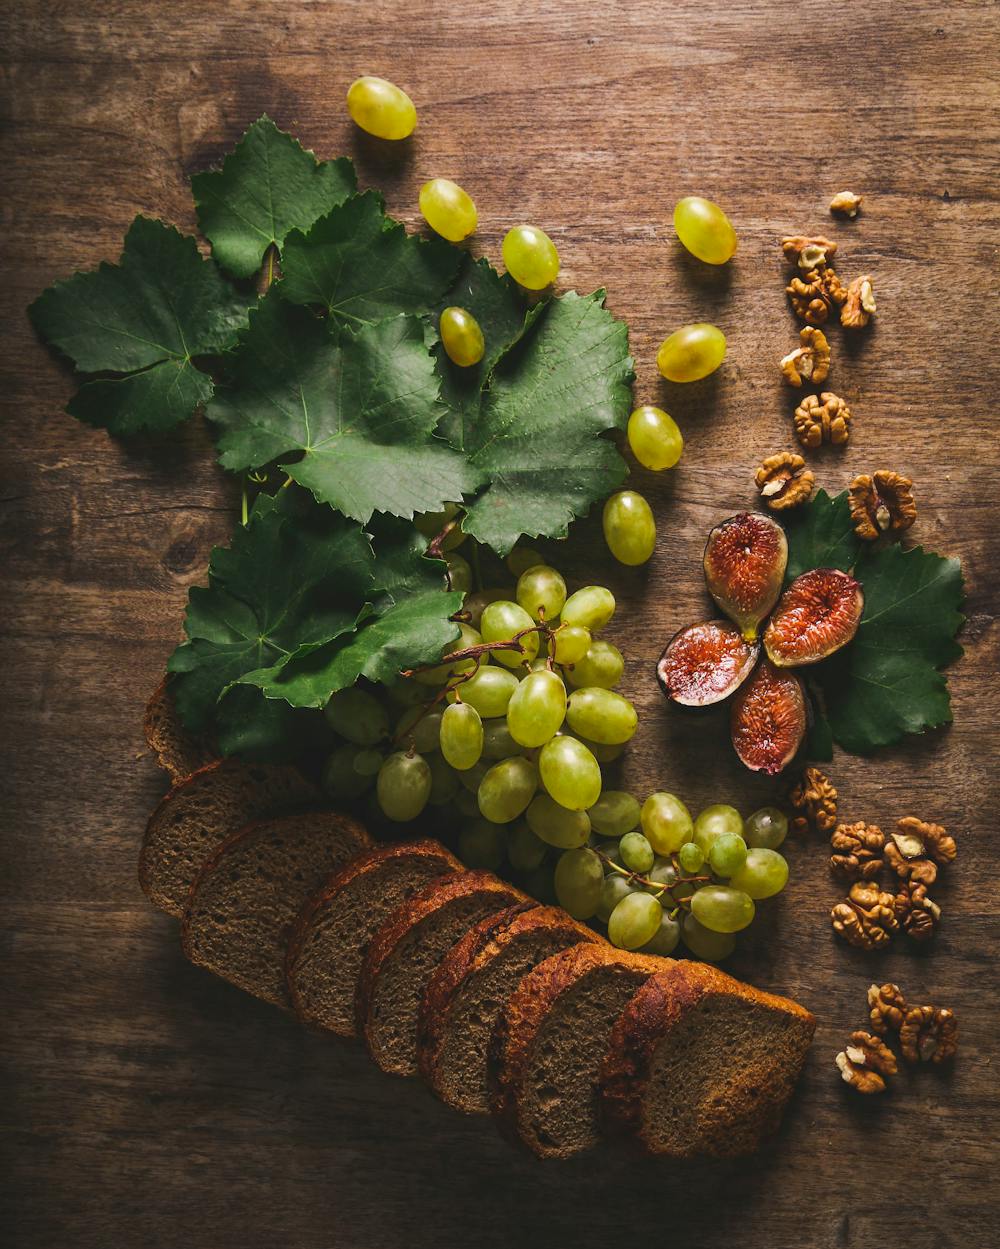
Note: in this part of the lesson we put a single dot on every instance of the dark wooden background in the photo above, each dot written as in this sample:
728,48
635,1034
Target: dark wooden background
147,1104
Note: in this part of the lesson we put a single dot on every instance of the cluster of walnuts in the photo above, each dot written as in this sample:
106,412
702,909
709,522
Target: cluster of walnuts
925,1034
870,916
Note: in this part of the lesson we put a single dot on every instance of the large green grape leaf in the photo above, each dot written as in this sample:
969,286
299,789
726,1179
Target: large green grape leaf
268,185
358,411
362,266
145,319
887,682
535,438
821,535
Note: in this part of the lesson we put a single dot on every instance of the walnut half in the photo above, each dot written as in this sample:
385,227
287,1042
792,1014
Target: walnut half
881,502
886,1008
928,1034
859,304
822,418
857,851
866,1062
815,800
866,918
846,204
810,361
784,481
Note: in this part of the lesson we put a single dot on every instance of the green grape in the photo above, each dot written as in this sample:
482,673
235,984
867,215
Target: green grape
556,825
341,776
444,780
467,636
602,666
704,943
497,741
357,716
405,692
541,591
570,773
764,874
629,528
506,789
448,210
475,604
655,440
570,643
579,878
615,888
634,921
765,829
459,572
666,821
539,884
500,622
521,559
691,353
381,108
466,803
727,854
662,872
541,664
691,857
489,690
461,735
367,762
615,813
430,524
403,786
524,850
637,854
713,822
472,778
601,752
461,337
482,845
420,729
664,940
704,229
537,708
601,716
590,608
722,909
531,257
684,889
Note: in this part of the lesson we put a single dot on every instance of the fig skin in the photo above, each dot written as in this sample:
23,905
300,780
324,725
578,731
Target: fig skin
744,562
705,663
769,719
817,615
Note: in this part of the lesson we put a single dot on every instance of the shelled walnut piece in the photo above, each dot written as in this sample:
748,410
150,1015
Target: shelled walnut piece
810,361
813,295
880,502
784,481
808,250
846,203
859,303
866,1062
815,799
886,1008
916,913
822,418
866,918
858,851
928,1034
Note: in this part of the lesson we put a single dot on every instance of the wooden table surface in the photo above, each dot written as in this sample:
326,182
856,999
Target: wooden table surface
150,1105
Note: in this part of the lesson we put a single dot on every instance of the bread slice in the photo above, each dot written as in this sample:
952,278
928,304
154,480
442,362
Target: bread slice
336,924
201,811
549,1043
246,897
701,1065
406,950
177,752
471,986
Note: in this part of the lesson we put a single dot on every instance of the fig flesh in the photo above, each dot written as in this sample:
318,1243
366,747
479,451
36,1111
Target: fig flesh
744,562
817,615
769,719
705,663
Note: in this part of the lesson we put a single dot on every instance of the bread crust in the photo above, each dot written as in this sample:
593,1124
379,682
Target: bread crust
517,1027
659,1005
177,752
365,865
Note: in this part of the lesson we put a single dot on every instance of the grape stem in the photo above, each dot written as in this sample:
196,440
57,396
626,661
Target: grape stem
435,544
655,887
479,649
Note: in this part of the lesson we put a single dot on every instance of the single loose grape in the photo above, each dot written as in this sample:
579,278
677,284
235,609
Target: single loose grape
461,735
497,741
500,622
445,784
525,851
381,108
507,788
521,559
541,591
655,440
556,825
704,943
579,877
531,257
537,708
615,888
403,786
601,716
489,690
615,813
691,856
727,854
447,209
634,921
664,940
570,643
713,822
602,666
419,728
691,353
765,829
629,528
482,845
570,773
357,716
666,821
461,337
637,854
590,608
764,874
342,778
722,909
704,229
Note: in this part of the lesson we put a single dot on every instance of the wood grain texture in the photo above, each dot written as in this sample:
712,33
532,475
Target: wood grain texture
150,1105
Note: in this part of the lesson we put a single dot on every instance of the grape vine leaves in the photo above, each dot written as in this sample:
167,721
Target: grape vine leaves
821,535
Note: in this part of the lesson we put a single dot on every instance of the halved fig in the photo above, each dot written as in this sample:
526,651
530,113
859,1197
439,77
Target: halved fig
744,562
817,615
705,663
769,719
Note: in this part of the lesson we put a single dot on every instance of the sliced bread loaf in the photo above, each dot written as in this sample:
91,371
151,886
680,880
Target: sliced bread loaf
404,953
246,897
549,1043
700,1064
176,750
201,811
471,986
336,924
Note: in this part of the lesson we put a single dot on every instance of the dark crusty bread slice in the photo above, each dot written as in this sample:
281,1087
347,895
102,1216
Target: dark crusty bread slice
700,1064
406,950
177,752
549,1043
244,900
336,924
471,986
201,811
